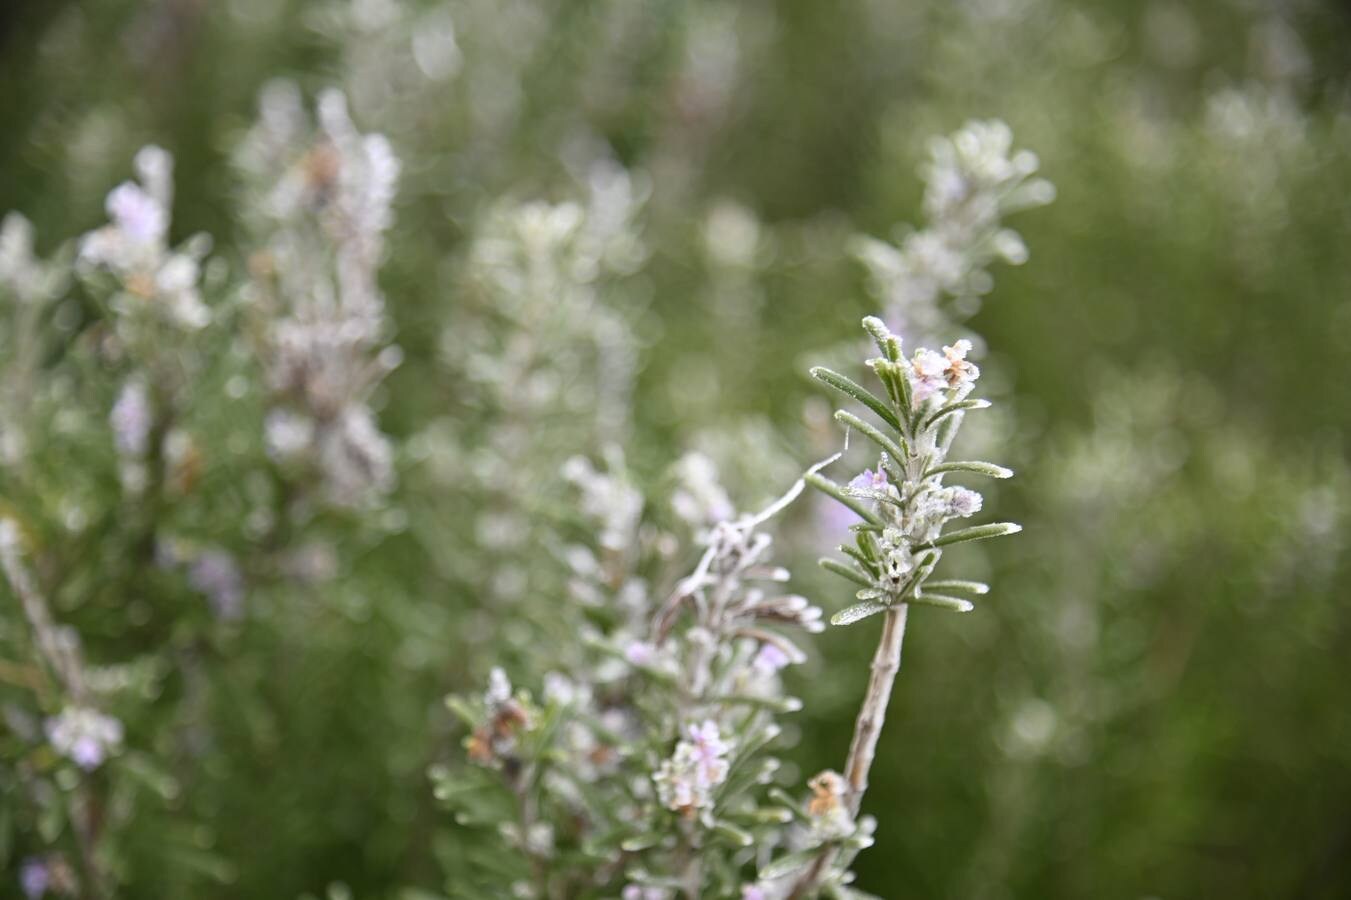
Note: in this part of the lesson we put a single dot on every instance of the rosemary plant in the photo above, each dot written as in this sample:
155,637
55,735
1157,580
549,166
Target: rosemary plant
904,508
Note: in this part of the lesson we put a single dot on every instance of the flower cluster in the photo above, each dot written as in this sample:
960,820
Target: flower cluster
656,736
151,277
84,736
903,502
494,743
903,508
973,179
322,205
686,781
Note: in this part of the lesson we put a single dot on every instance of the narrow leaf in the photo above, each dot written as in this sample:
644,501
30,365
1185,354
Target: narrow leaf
740,837
848,386
826,486
979,468
959,406
639,842
977,533
859,558
463,710
851,614
787,865
956,604
779,795
887,343
965,587
839,568
887,445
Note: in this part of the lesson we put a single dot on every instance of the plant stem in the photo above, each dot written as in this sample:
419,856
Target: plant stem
872,715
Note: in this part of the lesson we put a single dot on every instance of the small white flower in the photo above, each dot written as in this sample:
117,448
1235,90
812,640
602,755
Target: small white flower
85,736
686,780
928,375
136,214
770,658
963,502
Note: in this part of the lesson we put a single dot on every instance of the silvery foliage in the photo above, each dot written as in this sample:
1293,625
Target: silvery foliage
539,342
320,196
904,504
30,288
642,769
639,762
142,465
973,179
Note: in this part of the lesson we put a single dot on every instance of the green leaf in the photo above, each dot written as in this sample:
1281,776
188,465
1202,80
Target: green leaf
839,568
942,601
848,386
979,468
462,709
826,486
887,445
857,556
887,343
765,815
966,587
960,406
639,842
787,865
143,770
976,533
774,704
739,837
790,803
851,614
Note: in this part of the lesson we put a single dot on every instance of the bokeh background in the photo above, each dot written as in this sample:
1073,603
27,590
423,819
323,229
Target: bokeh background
1153,701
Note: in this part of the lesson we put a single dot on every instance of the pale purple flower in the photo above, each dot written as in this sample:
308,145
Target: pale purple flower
136,214
639,892
215,574
34,878
640,653
84,736
707,740
131,419
869,480
753,892
770,659
710,751
685,782
964,502
928,374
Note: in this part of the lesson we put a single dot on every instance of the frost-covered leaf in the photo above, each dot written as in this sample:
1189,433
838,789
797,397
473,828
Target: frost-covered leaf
975,466
977,533
851,614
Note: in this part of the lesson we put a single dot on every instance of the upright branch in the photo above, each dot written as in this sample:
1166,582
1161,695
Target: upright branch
903,508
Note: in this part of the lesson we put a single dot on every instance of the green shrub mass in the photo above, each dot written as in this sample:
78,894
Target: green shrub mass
622,231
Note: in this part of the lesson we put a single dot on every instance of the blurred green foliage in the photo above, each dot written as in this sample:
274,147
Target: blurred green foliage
1153,701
